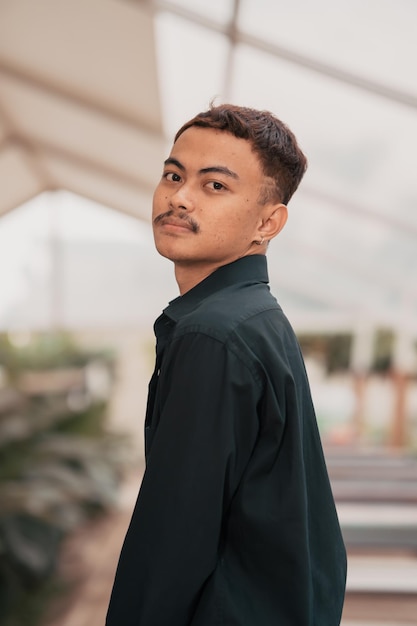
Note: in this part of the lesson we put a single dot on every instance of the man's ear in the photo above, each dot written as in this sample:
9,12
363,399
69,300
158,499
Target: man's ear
273,221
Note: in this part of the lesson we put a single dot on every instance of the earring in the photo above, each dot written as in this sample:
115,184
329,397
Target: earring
259,243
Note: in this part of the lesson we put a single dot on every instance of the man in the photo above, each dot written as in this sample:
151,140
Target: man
235,522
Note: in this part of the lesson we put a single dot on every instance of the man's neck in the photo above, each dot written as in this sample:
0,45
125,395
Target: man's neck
188,277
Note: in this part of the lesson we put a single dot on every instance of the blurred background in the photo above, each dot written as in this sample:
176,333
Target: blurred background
91,94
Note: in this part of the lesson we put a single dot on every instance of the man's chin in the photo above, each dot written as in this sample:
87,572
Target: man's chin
172,255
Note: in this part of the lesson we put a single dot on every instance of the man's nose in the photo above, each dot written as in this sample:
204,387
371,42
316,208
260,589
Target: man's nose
182,198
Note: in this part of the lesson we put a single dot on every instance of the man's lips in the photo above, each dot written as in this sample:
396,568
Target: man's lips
168,221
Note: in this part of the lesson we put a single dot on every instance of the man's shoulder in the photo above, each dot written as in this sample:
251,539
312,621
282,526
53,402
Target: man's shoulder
224,311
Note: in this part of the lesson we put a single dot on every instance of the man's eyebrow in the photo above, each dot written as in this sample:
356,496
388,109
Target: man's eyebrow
172,161
216,169
219,169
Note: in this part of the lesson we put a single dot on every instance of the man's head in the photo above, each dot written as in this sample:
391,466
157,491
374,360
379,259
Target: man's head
223,188
281,158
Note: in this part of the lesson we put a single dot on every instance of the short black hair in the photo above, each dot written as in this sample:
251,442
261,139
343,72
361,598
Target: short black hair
272,141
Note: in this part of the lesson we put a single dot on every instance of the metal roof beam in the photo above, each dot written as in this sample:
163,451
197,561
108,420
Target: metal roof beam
364,212
348,78
40,84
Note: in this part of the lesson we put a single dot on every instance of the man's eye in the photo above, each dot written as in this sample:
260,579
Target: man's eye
172,177
216,185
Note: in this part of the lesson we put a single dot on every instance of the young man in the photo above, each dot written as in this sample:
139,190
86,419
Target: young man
235,523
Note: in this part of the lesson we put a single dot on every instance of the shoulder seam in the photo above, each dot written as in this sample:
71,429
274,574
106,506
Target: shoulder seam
227,341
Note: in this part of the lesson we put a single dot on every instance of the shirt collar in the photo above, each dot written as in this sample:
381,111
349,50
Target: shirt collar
248,269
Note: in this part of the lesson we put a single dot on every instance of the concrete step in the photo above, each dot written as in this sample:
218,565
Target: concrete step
382,574
392,526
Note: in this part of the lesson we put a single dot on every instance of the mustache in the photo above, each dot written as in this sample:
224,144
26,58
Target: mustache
181,216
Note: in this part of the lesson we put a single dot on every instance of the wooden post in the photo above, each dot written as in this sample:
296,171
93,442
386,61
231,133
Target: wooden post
398,438
404,364
358,418
360,364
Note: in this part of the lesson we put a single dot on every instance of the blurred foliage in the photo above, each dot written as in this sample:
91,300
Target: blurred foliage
88,423
41,351
58,464
331,349
383,349
334,350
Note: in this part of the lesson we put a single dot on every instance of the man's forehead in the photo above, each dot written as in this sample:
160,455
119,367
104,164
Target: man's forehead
207,147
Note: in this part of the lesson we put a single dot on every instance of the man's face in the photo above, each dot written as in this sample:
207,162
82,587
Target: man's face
205,208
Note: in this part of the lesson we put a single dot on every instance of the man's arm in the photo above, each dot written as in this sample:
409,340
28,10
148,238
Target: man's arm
206,433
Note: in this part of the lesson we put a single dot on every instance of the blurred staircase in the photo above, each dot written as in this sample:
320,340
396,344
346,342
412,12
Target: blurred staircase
376,497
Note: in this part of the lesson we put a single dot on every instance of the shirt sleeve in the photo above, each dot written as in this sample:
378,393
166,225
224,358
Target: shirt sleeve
203,436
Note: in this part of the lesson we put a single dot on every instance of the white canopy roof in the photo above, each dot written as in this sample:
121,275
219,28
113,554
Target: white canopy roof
79,102
91,92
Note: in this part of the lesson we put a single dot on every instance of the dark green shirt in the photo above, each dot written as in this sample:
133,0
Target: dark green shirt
235,523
